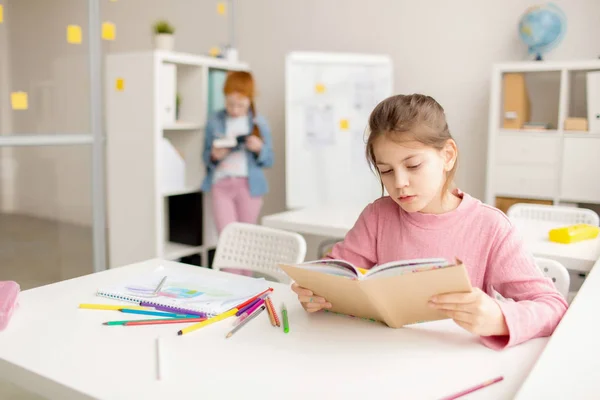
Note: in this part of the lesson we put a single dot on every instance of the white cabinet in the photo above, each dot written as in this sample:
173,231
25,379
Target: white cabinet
153,158
581,169
553,165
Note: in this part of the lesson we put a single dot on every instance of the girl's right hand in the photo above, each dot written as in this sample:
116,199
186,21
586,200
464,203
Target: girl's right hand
309,301
217,154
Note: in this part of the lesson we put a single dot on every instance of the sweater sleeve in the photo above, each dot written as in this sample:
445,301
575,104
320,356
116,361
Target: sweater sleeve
537,307
359,247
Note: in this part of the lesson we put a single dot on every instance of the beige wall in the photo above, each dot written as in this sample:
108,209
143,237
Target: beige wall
439,47
442,48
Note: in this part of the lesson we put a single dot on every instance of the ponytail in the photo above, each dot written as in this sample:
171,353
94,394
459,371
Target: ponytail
255,129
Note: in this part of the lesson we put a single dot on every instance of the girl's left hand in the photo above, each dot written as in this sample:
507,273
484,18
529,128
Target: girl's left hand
475,311
254,144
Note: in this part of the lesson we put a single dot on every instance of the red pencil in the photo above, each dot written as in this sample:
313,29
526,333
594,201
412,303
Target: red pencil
164,321
244,304
474,388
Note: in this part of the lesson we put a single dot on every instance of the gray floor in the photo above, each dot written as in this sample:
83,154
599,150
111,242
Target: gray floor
36,252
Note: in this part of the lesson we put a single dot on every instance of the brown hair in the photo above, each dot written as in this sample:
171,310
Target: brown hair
403,118
242,82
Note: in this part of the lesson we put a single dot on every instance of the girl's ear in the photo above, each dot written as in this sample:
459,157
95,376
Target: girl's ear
449,154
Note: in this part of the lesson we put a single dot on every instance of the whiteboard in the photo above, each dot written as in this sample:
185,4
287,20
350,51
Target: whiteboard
329,98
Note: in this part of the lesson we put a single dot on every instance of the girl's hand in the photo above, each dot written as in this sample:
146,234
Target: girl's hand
310,302
218,154
475,311
254,144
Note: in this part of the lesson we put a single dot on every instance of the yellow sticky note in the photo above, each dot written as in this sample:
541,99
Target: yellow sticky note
1,13
19,100
120,84
109,31
74,34
214,51
320,88
221,8
344,125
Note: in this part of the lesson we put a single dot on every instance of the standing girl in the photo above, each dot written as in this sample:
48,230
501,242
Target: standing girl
412,151
237,146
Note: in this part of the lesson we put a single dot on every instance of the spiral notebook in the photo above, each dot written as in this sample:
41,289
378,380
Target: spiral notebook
199,293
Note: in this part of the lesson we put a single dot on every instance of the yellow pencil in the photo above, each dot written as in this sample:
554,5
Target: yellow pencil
209,321
111,307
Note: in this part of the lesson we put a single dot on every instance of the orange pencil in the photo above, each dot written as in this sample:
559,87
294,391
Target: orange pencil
270,310
275,316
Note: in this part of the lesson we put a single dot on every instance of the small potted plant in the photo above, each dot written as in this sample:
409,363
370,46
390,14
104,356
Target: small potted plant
164,38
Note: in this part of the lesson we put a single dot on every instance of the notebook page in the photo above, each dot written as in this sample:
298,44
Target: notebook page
188,291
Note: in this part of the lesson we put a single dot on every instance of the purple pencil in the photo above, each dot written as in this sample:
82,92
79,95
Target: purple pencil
259,303
249,312
172,309
247,307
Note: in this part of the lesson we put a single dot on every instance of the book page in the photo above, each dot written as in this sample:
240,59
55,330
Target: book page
400,267
331,267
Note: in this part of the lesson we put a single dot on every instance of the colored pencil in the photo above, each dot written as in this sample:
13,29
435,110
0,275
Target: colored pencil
247,307
250,300
172,309
209,321
164,321
250,318
275,316
155,313
270,311
110,307
474,388
160,285
286,324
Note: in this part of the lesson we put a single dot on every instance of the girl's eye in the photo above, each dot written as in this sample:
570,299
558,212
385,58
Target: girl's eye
413,166
385,172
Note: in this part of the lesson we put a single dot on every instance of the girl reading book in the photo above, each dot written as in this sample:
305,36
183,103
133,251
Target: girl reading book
411,149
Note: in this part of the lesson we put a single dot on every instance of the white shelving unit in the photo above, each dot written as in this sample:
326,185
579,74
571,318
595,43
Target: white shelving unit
138,214
554,165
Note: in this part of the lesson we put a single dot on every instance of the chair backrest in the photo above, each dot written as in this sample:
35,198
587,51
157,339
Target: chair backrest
557,272
562,214
258,248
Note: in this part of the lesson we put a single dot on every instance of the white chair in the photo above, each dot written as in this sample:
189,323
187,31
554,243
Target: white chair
557,272
562,214
259,249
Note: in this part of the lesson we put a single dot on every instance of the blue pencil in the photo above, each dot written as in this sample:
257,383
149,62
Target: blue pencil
156,313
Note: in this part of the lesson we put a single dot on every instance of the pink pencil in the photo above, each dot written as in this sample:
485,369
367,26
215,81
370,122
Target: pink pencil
474,388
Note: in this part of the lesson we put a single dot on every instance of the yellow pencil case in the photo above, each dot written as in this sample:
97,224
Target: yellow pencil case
574,233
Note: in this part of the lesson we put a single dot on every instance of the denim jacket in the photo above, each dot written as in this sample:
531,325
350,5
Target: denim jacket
215,129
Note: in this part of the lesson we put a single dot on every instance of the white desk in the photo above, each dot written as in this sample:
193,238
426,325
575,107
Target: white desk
569,368
62,352
337,221
579,256
323,221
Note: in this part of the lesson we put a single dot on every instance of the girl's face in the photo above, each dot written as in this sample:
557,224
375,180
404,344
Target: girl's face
414,174
237,105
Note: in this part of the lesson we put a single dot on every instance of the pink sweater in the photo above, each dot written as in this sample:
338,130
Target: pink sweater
479,235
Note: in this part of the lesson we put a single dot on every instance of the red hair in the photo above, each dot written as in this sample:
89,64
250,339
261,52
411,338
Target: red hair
242,82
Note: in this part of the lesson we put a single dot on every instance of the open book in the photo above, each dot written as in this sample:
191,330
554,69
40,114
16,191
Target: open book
395,293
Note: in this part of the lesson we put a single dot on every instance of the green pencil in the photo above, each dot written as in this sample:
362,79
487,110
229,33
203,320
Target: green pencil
286,324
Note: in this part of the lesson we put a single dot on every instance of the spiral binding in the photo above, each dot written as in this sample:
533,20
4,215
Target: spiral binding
153,303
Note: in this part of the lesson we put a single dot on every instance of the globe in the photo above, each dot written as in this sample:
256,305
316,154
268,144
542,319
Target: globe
542,28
